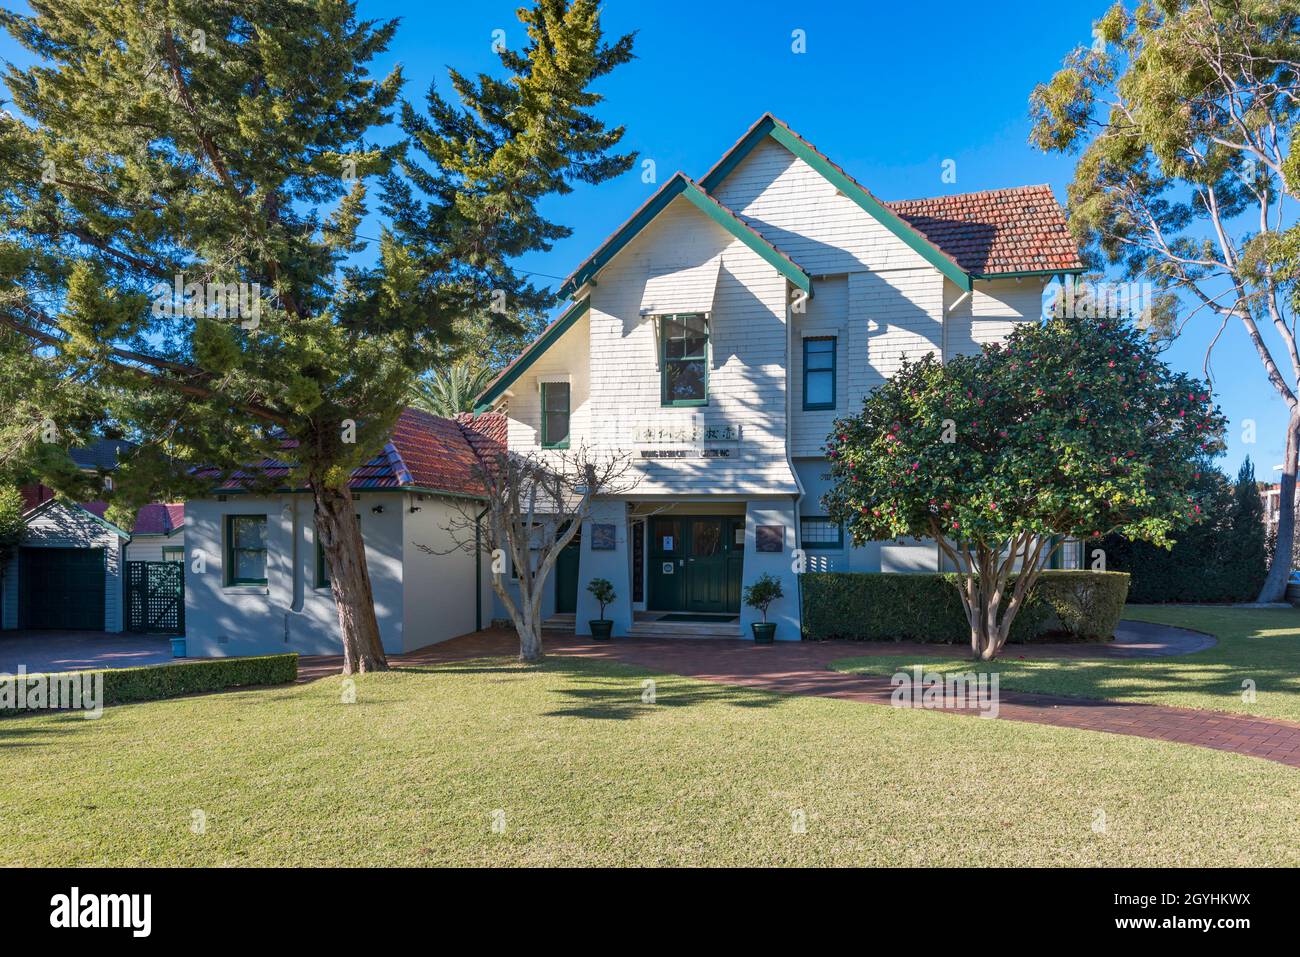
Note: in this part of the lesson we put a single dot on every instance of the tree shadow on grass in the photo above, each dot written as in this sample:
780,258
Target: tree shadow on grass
613,691
1145,680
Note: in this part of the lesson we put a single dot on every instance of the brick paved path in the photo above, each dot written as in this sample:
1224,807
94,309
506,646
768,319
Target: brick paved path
799,667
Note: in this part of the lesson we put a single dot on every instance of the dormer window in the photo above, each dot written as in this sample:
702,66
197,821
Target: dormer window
685,361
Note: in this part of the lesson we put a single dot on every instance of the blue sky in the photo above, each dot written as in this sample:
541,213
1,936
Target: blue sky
888,91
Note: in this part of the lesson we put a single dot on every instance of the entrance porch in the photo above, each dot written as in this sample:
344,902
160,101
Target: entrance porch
679,567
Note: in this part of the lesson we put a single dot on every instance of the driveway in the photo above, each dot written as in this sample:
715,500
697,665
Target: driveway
78,650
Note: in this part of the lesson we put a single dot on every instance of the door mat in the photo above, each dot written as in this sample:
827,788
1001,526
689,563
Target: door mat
678,617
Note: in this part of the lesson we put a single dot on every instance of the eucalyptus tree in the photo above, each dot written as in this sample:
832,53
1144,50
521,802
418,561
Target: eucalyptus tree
1184,116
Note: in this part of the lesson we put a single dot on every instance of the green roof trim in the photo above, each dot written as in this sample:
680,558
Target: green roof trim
681,185
770,126
530,355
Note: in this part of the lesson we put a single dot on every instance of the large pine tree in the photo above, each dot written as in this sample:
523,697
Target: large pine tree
179,206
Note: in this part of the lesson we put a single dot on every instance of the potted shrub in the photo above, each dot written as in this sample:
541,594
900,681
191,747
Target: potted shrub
603,591
760,595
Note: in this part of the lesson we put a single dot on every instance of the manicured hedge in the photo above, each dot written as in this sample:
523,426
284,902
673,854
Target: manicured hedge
873,606
154,682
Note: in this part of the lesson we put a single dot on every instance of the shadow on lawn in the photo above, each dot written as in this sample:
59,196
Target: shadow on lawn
1138,679
612,691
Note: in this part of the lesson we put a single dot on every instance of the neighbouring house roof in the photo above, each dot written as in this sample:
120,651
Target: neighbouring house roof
100,454
159,518
968,236
998,231
424,452
88,510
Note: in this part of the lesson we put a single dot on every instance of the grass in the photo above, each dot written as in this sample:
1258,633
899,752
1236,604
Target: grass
1256,644
588,774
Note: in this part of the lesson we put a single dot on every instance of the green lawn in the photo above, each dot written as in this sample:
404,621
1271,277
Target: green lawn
1262,645
588,774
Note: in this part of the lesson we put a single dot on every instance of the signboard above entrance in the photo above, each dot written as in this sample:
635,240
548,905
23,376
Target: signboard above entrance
687,435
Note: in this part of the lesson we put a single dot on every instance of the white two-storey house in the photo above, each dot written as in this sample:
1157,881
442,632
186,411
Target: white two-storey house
716,336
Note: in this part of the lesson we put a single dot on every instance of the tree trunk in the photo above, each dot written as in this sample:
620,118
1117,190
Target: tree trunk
339,534
1274,589
530,642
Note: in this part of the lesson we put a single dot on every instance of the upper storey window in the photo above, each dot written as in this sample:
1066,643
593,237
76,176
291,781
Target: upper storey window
819,373
555,415
685,343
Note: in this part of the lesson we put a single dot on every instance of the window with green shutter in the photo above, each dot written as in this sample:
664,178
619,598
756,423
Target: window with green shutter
684,341
555,415
819,373
246,549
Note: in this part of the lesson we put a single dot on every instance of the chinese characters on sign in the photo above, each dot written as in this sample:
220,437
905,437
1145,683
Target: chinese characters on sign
699,436
686,434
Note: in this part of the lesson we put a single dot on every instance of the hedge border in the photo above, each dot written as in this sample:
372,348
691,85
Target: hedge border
172,680
926,607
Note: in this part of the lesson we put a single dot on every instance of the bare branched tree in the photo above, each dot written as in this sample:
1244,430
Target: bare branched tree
535,505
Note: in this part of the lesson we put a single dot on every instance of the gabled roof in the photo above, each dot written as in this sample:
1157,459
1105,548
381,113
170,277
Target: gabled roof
679,185
683,185
425,453
769,126
1016,231
970,236
88,512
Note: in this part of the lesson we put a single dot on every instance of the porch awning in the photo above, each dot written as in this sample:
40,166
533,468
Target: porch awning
685,289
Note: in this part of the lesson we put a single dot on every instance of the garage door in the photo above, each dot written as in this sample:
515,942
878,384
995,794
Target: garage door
61,588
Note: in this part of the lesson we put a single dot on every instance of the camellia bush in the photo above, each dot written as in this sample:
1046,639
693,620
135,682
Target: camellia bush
1073,427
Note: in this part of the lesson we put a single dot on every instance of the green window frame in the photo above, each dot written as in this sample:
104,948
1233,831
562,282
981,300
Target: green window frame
555,415
173,553
813,533
684,359
242,546
819,355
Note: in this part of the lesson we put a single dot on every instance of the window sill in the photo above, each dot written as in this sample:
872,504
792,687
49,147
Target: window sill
819,408
685,404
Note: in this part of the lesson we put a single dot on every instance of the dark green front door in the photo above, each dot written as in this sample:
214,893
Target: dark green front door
696,564
61,588
566,576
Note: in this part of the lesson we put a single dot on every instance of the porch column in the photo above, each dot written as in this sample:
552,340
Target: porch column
772,514
612,563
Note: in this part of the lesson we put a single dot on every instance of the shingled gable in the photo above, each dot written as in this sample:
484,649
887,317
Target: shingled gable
424,453
969,236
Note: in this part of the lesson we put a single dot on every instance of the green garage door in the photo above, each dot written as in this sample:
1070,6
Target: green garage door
61,588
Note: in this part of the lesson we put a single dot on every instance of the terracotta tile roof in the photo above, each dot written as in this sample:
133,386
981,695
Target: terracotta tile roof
996,231
159,518
424,451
